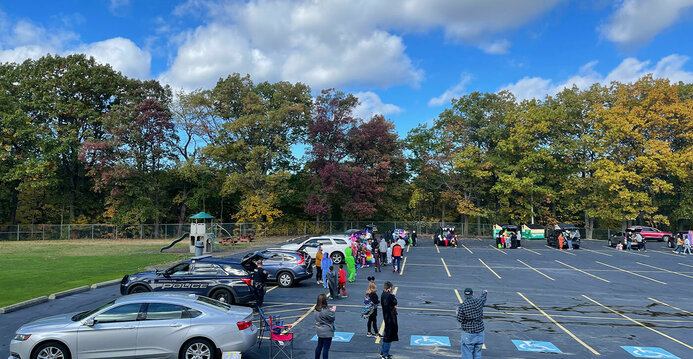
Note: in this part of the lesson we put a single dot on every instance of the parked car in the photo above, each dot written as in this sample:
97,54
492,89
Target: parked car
620,237
334,245
146,325
568,230
651,234
286,267
223,279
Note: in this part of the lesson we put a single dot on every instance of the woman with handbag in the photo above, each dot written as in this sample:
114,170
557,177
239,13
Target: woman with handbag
372,301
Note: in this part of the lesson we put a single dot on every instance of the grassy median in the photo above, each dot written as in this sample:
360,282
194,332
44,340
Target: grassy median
30,269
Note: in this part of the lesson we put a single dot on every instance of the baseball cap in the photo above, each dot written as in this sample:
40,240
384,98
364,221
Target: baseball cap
468,292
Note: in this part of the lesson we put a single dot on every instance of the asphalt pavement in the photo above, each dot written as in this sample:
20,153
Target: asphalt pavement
542,302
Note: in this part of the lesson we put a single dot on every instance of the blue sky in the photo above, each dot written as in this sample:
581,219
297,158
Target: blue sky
403,58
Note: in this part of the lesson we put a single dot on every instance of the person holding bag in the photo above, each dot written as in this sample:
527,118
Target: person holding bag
324,326
371,312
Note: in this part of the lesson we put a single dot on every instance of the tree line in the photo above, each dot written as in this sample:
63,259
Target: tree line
81,143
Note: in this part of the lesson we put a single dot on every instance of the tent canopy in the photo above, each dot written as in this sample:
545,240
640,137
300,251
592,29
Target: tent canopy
202,215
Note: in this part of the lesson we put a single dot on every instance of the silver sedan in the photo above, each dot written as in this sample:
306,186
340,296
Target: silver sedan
146,325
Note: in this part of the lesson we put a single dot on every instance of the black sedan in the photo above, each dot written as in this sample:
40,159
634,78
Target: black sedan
223,279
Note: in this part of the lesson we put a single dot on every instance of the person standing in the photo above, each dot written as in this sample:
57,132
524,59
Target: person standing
388,301
687,245
470,314
413,238
560,240
401,242
325,267
318,265
679,244
629,241
383,250
641,241
324,326
342,281
372,295
396,257
260,276
332,282
376,258
569,239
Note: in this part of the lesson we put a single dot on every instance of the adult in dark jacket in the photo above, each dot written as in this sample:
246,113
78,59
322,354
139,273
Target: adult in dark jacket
332,282
259,277
372,295
324,326
389,304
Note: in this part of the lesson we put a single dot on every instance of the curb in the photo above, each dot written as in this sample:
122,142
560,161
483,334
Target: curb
105,284
72,291
24,304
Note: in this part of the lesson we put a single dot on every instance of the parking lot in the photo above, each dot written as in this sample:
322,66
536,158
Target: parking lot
584,303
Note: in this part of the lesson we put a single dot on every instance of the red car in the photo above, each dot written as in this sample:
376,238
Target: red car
652,234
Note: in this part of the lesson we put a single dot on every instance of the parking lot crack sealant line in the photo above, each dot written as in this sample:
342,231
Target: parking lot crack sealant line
559,325
633,273
669,305
382,325
534,269
665,270
446,267
582,271
489,268
637,322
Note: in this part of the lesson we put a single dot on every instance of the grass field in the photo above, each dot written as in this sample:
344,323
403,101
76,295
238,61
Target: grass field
34,268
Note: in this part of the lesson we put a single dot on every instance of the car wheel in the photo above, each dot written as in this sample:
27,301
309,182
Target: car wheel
337,258
670,244
222,295
198,349
611,244
285,279
665,238
138,289
51,350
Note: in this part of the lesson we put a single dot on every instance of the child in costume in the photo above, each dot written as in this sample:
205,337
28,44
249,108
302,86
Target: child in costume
325,265
342,281
351,265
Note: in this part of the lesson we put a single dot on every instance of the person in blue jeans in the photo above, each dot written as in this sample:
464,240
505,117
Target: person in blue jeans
324,326
470,314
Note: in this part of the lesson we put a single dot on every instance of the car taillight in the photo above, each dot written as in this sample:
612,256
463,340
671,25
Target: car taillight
244,325
246,280
302,260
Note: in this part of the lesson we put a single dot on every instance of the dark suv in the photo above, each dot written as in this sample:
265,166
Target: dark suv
286,267
568,230
225,280
620,237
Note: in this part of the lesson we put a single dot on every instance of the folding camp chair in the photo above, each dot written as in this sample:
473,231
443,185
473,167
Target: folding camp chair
281,340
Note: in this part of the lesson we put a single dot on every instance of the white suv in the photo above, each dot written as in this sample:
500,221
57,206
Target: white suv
333,245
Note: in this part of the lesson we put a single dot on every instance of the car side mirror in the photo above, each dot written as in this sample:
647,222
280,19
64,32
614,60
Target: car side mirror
89,322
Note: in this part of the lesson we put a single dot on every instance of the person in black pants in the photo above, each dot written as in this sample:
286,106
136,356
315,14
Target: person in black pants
260,276
413,238
372,295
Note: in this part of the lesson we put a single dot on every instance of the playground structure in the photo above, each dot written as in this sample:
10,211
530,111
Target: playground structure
200,231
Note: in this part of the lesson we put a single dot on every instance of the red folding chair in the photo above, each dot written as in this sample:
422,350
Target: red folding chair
281,340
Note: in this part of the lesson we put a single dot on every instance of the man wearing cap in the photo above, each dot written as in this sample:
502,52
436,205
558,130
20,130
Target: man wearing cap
470,314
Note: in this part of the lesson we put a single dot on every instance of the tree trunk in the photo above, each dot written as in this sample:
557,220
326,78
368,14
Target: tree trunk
589,226
466,225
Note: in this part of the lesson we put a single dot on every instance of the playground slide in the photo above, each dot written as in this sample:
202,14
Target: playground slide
184,236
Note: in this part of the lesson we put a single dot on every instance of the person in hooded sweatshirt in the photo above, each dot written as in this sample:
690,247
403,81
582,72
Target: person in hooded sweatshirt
324,326
388,301
326,263
332,282
383,250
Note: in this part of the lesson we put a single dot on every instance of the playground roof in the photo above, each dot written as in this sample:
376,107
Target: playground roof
202,215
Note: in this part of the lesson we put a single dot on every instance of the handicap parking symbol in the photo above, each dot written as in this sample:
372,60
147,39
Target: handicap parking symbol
649,352
532,346
429,341
343,337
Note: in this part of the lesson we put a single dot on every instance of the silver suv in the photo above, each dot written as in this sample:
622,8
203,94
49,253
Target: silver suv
146,325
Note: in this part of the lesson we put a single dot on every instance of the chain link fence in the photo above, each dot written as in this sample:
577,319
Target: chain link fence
26,232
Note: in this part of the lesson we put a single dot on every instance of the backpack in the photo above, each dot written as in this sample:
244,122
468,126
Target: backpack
368,308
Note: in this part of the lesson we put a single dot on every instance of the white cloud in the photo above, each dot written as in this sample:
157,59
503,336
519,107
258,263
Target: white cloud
629,70
332,43
496,47
636,22
453,92
25,40
116,5
370,104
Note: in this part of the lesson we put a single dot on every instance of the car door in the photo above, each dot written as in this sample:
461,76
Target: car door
112,335
272,264
311,246
173,278
163,330
203,276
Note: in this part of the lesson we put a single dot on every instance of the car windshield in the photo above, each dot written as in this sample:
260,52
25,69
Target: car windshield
82,315
213,303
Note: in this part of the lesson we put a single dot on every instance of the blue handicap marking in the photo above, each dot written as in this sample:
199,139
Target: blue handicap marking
532,346
344,337
649,352
427,340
